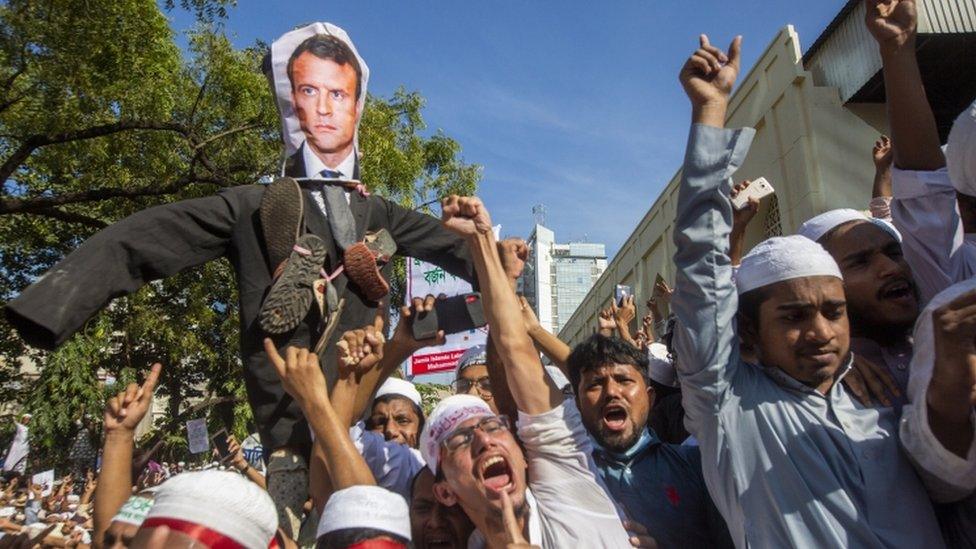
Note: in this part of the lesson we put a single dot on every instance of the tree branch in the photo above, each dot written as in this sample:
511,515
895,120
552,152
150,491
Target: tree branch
34,142
71,217
41,204
225,133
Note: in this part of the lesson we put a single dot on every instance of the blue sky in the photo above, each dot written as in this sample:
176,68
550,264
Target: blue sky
569,104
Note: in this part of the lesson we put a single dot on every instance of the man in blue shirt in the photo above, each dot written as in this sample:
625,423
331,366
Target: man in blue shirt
658,485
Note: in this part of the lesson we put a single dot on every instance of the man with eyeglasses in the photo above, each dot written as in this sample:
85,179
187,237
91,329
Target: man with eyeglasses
471,376
551,487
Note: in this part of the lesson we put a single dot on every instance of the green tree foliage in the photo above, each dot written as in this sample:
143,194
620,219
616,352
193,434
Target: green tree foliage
102,114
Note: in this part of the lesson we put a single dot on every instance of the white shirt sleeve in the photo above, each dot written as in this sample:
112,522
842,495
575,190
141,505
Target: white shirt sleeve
924,210
947,476
393,465
572,503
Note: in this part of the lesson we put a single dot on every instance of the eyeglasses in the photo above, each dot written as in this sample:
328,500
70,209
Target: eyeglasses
462,385
461,438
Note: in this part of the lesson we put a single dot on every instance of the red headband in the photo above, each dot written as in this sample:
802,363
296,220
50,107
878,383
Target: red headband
211,538
378,544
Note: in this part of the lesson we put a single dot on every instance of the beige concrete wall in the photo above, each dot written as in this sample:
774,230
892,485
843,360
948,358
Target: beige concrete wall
814,150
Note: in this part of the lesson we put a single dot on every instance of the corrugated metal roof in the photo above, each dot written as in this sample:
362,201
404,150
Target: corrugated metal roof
846,56
946,16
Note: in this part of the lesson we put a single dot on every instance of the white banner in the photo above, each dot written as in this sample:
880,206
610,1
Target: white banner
197,436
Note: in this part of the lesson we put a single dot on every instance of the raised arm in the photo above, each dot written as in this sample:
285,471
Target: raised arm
122,414
549,344
526,378
740,222
705,299
923,205
302,378
913,131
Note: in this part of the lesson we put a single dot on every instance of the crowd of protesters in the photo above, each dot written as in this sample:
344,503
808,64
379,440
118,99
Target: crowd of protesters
817,391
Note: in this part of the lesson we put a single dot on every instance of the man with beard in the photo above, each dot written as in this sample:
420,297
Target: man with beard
557,499
434,525
659,485
790,458
882,301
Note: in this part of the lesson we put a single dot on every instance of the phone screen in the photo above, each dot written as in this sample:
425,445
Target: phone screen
219,440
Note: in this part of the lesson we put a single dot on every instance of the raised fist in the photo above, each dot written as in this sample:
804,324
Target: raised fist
465,215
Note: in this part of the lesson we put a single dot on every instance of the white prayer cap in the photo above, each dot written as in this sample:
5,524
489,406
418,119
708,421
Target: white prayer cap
366,507
134,510
474,355
557,377
223,502
660,368
961,151
400,387
784,258
816,227
446,416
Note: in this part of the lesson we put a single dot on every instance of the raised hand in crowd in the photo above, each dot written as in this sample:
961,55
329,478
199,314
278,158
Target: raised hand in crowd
661,295
647,326
403,341
892,22
707,77
465,216
882,156
360,350
740,222
952,391
625,312
237,460
554,348
915,137
513,253
123,413
125,410
302,377
606,322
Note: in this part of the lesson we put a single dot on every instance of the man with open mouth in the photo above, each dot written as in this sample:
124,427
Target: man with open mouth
659,485
556,497
882,299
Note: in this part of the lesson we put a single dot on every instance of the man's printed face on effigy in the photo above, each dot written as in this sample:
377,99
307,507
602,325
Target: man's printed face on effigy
324,96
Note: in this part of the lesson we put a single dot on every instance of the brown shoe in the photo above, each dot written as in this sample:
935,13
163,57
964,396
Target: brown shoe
362,263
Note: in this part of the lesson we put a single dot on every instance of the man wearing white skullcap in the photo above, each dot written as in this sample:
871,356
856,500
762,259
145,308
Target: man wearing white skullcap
938,428
363,514
396,412
484,469
792,459
471,375
882,299
934,208
213,509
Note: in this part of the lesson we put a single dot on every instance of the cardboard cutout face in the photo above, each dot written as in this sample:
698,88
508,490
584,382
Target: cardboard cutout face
320,84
